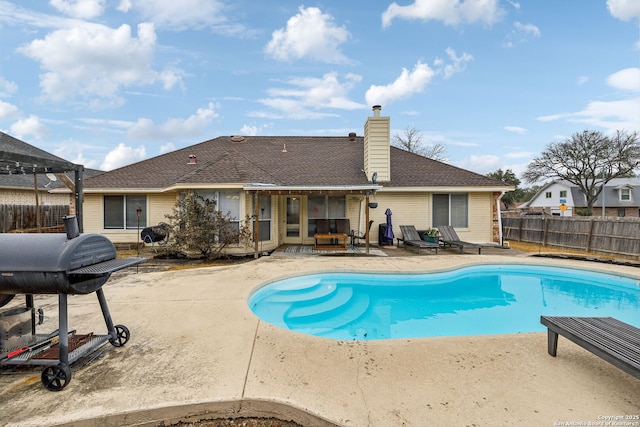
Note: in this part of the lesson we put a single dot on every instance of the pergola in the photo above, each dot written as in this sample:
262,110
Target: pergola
18,157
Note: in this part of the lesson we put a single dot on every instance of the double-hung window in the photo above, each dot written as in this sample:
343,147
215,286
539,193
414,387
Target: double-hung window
451,209
121,212
625,194
227,202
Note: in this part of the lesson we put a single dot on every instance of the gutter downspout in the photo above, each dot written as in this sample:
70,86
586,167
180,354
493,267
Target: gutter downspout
499,213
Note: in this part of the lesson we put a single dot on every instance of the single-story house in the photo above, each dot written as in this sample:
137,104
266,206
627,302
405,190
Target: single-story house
289,182
621,199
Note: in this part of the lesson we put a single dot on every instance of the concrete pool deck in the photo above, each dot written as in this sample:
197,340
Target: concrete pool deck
197,351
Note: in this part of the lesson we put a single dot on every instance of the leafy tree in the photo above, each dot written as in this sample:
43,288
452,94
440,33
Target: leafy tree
508,177
586,159
197,228
529,192
411,140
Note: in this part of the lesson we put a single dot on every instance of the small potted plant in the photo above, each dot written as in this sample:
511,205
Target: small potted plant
431,235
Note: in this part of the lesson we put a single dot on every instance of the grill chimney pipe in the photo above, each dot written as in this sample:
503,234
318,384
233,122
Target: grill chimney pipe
71,226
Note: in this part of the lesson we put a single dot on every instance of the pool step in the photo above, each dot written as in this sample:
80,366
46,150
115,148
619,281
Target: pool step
324,305
342,309
320,290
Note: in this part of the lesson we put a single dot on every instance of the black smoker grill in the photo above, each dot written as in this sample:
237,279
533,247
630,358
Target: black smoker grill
63,264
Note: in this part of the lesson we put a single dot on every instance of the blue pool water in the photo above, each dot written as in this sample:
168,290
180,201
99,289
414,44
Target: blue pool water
477,300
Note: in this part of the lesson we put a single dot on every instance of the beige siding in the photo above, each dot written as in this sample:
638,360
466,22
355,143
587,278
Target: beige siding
480,219
376,148
159,205
92,213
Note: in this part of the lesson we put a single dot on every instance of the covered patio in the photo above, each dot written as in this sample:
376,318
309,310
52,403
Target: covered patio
302,207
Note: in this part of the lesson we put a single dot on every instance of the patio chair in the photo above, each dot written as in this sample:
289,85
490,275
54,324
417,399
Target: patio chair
357,236
322,226
342,226
449,237
411,237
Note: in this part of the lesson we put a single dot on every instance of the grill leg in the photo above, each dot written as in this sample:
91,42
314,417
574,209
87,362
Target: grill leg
63,328
105,312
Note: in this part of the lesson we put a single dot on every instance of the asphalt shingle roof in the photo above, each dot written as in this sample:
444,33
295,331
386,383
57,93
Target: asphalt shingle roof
284,161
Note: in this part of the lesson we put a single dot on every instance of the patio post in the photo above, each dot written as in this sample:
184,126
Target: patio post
256,225
366,230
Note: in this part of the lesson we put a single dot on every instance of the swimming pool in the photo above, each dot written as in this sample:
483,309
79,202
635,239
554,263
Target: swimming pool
475,300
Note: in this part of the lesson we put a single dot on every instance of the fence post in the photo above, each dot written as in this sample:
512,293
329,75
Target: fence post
590,237
519,229
545,229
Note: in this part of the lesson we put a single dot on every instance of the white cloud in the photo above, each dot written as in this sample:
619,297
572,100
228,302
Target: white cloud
308,94
407,84
309,34
8,111
521,33
627,79
83,9
179,15
95,61
451,12
483,164
175,128
7,88
515,129
167,148
611,115
249,130
29,126
458,64
625,10
124,6
122,155
520,155
73,151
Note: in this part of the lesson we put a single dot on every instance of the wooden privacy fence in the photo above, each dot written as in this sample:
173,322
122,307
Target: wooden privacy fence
616,236
21,217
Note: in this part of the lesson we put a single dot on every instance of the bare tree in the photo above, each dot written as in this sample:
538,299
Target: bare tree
411,140
588,159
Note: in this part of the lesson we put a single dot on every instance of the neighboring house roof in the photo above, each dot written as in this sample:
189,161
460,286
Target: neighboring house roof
282,161
25,181
17,156
611,195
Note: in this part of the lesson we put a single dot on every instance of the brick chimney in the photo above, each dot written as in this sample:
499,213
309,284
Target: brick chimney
377,141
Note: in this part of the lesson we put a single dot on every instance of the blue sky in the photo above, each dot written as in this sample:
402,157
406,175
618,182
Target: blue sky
109,83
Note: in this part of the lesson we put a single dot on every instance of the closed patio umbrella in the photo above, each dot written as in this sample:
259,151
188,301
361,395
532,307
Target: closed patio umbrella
388,232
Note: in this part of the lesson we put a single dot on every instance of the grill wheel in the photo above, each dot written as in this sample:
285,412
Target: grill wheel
55,378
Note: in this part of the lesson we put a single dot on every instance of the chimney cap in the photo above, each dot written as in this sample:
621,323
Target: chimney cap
376,110
352,136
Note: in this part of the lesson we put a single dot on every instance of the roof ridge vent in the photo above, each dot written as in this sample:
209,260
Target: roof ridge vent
237,138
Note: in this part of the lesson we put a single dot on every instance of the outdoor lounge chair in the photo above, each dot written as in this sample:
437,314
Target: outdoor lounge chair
449,237
411,237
